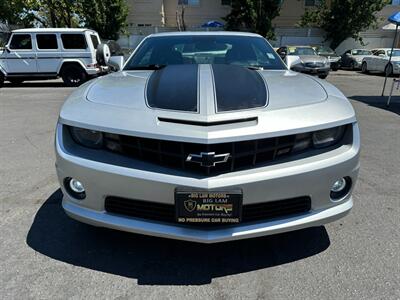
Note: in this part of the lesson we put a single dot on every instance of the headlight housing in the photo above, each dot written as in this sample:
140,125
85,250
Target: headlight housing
87,137
327,137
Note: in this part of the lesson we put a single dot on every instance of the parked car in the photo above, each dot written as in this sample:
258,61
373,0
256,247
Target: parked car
330,54
352,59
241,143
47,53
379,61
310,62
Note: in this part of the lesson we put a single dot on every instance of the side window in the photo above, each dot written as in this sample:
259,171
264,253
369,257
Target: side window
73,41
95,40
21,42
46,41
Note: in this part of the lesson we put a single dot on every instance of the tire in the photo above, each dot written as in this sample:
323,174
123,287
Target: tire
16,81
103,54
364,68
1,80
323,76
389,70
73,75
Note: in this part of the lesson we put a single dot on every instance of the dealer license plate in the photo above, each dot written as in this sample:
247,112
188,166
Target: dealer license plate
214,207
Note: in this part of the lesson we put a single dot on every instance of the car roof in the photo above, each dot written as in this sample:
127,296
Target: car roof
29,30
199,33
385,49
298,46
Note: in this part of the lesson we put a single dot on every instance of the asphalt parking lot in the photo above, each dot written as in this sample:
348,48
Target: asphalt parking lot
44,254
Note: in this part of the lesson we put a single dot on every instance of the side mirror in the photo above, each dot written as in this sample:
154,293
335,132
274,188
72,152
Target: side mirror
7,49
116,62
292,60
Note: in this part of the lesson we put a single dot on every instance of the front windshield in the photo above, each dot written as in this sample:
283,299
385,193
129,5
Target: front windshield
301,51
361,52
325,50
395,53
156,52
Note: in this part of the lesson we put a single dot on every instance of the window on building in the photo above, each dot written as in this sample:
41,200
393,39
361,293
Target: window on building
189,2
226,2
46,41
21,42
312,2
73,41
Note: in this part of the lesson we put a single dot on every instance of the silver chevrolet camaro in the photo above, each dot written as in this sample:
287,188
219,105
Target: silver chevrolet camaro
207,137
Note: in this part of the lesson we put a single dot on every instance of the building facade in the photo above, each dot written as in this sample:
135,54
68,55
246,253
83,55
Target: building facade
149,16
165,13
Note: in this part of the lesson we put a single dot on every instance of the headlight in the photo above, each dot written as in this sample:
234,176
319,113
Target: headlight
327,137
86,137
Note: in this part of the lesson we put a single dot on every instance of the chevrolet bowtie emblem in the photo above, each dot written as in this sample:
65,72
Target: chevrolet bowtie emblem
208,159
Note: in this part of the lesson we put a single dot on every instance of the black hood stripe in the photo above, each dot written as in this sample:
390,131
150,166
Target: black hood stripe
238,88
174,87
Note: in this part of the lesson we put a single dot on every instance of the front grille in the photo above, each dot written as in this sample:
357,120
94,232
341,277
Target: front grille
243,154
314,64
166,212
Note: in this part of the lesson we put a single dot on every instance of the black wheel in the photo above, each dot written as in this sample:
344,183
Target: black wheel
364,68
323,76
1,79
16,81
335,68
389,70
73,75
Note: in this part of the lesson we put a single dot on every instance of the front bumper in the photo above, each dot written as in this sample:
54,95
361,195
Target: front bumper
309,176
313,71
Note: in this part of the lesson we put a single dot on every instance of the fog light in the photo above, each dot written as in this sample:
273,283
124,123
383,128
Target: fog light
75,188
340,188
339,185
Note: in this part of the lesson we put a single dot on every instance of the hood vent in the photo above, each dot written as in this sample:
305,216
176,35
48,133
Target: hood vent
215,123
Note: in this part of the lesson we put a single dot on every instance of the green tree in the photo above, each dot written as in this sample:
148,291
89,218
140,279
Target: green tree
342,19
107,17
253,15
16,12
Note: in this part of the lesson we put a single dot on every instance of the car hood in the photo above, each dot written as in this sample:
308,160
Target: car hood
312,58
189,90
239,105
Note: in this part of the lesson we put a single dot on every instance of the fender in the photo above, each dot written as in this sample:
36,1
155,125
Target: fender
71,60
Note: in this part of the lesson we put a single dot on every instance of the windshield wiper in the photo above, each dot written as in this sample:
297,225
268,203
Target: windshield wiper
149,67
255,67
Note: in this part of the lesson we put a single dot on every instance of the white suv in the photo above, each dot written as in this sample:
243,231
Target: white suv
46,53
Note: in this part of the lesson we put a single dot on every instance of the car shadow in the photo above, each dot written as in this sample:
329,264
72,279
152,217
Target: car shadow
159,261
34,84
380,102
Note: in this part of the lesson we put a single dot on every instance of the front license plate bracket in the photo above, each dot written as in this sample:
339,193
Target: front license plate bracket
210,207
